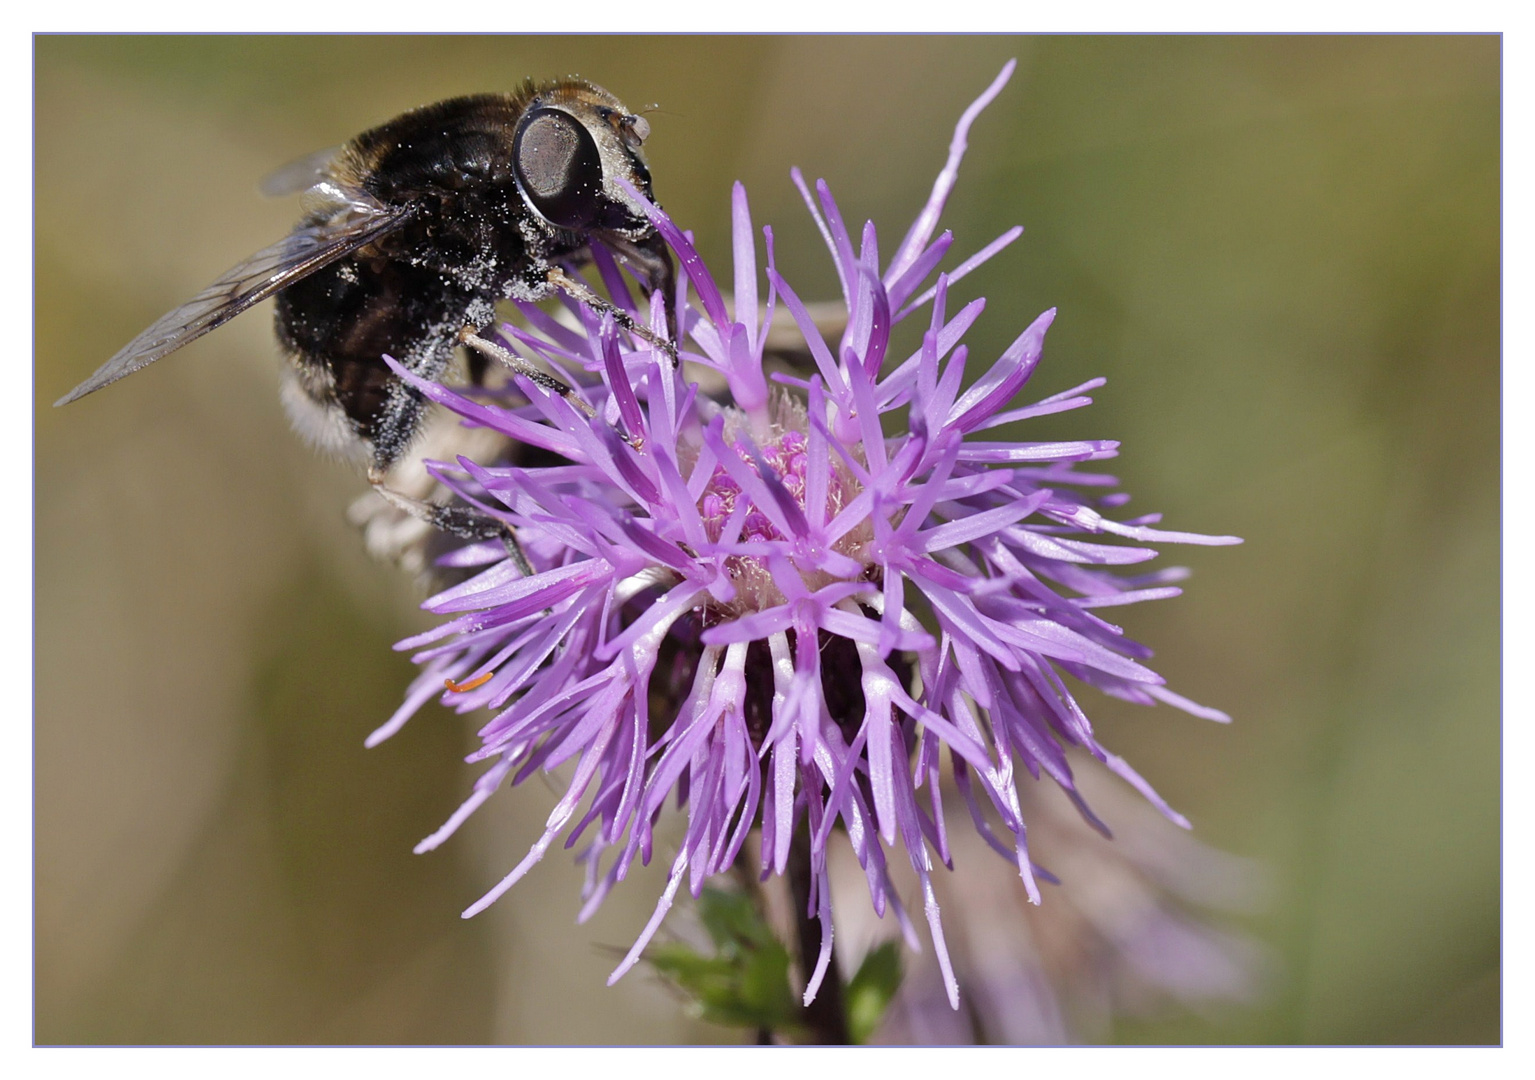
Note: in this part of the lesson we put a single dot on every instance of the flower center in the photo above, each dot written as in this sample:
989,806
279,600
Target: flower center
785,456
784,449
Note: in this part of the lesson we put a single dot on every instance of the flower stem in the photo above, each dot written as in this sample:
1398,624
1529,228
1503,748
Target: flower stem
825,1016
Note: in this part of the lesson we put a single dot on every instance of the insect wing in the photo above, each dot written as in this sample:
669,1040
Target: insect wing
296,176
296,256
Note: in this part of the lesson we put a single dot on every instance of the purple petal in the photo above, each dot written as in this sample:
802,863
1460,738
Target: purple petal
922,229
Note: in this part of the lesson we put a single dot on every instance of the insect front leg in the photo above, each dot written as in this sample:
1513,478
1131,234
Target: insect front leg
577,289
470,337
651,259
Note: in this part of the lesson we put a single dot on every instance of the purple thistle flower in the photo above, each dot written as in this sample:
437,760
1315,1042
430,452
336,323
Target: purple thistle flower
770,607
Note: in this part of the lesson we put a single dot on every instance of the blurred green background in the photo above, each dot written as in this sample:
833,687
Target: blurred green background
1282,252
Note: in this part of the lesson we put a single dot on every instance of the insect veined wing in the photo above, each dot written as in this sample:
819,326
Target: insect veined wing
297,176
299,254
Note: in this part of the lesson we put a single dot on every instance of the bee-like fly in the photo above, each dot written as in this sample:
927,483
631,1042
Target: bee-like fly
412,233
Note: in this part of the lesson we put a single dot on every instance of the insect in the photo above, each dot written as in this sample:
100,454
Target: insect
412,232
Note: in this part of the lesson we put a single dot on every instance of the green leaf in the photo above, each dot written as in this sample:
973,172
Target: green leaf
870,991
746,982
733,921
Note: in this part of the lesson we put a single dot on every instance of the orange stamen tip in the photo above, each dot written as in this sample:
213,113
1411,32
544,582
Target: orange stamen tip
465,687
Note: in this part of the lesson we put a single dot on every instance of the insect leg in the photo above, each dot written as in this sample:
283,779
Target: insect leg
468,522
574,287
652,260
468,336
548,382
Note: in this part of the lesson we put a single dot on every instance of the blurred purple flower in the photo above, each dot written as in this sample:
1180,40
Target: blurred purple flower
723,599
1133,932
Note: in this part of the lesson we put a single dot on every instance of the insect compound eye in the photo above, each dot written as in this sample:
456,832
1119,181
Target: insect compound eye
559,167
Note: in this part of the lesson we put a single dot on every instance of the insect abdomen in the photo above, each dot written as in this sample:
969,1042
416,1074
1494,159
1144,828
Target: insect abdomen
344,318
